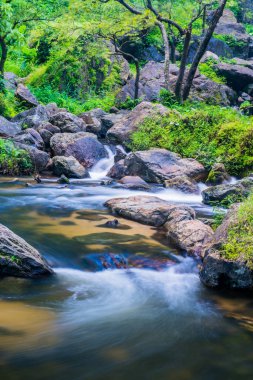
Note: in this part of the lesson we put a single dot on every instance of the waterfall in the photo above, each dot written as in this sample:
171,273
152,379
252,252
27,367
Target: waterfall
102,167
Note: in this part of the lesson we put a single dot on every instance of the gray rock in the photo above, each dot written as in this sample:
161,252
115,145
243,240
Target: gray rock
68,166
217,175
134,183
11,80
219,272
237,76
121,131
18,258
182,183
118,170
25,95
32,118
219,193
67,122
83,146
7,128
30,137
158,165
179,221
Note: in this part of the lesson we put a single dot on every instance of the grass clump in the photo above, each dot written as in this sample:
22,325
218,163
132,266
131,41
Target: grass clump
239,243
14,161
207,133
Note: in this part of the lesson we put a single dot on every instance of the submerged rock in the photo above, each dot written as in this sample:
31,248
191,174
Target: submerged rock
18,258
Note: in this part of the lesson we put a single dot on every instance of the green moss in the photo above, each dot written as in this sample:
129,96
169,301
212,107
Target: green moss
208,70
239,244
209,134
14,161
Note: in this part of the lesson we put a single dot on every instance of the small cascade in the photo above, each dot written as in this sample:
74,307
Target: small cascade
100,170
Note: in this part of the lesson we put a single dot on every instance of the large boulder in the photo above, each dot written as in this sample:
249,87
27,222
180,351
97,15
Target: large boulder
67,122
246,11
228,192
25,95
18,258
187,233
158,165
228,26
10,80
46,131
118,170
7,128
237,76
215,46
84,146
32,118
122,129
183,230
30,137
69,167
144,209
218,271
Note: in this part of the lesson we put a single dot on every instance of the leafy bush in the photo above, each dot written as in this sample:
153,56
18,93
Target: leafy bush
129,103
167,98
208,70
207,133
14,161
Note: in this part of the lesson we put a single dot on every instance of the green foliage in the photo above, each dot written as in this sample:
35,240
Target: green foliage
207,69
231,40
9,105
14,161
207,133
129,103
47,94
239,244
167,98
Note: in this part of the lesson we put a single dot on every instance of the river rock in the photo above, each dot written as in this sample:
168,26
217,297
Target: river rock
237,191
118,170
25,95
158,165
67,122
182,228
18,258
182,183
143,209
134,183
219,272
84,146
217,175
190,235
68,166
129,122
7,128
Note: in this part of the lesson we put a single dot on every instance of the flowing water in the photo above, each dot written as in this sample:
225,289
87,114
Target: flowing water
122,305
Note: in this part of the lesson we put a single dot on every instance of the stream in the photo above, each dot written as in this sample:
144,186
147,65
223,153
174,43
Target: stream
123,304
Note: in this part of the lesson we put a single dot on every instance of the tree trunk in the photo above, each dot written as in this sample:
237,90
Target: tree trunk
202,48
4,51
166,54
137,79
173,50
180,78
